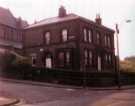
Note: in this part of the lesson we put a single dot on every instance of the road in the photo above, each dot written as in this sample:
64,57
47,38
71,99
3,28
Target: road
34,95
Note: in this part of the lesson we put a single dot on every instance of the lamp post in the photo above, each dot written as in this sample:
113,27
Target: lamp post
118,55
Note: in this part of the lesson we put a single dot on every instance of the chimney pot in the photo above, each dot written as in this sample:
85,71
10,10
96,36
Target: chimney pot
98,19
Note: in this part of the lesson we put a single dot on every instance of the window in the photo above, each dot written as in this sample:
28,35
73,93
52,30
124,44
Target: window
109,41
106,57
64,58
90,35
98,38
47,37
86,57
99,65
85,34
105,40
109,59
67,57
64,35
61,59
90,57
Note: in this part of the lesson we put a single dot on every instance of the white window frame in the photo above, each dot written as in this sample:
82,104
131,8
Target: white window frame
64,35
67,57
109,58
109,41
90,35
85,34
90,57
47,37
99,65
86,57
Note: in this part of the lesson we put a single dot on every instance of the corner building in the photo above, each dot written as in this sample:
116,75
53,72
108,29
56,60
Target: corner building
72,42
69,41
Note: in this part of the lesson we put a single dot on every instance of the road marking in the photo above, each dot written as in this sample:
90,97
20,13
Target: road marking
68,89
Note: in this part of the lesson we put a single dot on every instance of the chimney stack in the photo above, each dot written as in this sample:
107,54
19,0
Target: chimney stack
62,11
19,22
98,19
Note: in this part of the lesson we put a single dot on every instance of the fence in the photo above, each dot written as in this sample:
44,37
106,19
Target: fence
71,77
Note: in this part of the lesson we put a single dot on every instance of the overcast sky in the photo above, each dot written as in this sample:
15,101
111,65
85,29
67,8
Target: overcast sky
111,11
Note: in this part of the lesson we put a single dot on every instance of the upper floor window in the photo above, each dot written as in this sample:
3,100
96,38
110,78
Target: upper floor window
98,38
85,34
105,40
90,35
64,35
47,37
109,41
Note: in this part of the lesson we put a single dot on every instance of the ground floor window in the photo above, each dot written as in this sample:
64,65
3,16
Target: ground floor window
88,57
67,57
64,58
99,65
108,58
61,59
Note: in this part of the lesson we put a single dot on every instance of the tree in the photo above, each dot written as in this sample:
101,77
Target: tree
128,64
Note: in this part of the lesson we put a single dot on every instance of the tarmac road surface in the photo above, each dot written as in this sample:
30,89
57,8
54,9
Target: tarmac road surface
36,95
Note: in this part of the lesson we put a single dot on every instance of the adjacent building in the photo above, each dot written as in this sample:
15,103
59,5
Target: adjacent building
67,41
11,31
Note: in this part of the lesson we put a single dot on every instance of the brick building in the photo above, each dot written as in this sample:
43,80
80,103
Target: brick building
11,31
67,41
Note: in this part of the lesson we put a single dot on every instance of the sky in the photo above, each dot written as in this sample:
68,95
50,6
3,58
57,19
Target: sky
111,12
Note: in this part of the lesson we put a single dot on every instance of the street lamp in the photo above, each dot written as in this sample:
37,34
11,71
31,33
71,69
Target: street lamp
118,55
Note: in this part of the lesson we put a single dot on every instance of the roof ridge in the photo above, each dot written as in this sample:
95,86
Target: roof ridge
53,18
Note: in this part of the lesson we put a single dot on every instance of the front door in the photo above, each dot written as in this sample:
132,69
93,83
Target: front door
48,62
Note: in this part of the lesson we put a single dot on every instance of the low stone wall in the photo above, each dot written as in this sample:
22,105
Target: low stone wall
72,77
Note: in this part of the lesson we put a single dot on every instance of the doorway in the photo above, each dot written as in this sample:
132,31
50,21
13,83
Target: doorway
48,61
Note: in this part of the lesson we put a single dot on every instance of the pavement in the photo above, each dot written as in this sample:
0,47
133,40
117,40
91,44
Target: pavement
8,101
123,87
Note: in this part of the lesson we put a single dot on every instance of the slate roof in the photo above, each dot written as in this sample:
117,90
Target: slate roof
53,20
7,18
63,19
